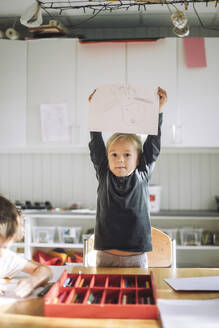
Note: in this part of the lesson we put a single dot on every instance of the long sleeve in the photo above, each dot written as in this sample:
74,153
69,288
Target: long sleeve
151,147
151,150
98,152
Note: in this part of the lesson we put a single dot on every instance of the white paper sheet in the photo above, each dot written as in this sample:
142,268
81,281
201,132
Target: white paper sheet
54,122
125,109
189,313
10,297
210,283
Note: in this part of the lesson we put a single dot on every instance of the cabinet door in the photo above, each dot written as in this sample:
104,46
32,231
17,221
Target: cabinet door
12,93
51,80
199,98
97,64
155,63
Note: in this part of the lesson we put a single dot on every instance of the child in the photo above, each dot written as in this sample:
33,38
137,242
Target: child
11,229
123,169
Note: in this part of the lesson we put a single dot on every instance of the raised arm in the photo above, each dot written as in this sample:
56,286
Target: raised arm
151,147
97,148
98,151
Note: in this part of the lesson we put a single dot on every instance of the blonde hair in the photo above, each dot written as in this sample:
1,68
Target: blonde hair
133,138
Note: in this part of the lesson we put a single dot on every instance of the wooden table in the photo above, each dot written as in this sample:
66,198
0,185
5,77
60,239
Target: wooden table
29,313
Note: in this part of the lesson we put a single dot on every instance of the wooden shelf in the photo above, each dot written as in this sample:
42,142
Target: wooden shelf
57,245
20,245
194,248
184,218
62,216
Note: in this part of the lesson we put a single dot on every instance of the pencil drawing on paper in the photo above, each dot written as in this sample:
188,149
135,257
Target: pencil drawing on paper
124,108
132,107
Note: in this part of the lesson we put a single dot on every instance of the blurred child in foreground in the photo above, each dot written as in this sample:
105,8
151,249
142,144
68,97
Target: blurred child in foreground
11,229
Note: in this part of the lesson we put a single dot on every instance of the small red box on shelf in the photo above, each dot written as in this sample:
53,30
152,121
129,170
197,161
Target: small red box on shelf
123,296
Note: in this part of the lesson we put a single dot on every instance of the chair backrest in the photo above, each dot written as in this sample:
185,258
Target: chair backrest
162,255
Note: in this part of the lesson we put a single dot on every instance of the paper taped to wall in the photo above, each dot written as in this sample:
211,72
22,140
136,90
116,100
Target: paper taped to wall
54,122
124,108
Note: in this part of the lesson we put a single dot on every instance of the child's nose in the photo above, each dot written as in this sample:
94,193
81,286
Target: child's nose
121,158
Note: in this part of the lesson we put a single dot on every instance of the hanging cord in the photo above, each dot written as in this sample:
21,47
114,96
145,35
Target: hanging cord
168,6
200,21
90,18
16,19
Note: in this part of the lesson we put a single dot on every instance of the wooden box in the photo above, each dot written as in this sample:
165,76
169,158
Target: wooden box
102,296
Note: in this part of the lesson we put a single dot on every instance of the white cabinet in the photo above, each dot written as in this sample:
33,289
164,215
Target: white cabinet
191,256
191,115
156,63
97,64
51,80
186,256
13,61
54,220
60,70
198,98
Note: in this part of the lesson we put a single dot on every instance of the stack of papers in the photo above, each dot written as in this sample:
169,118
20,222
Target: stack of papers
189,313
10,297
210,283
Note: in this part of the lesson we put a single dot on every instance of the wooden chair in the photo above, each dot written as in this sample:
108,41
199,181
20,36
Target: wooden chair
162,255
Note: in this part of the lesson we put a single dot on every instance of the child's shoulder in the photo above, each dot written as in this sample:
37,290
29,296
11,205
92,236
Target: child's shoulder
7,253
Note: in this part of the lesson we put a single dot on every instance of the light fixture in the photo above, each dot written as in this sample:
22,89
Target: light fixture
181,32
179,21
11,34
32,17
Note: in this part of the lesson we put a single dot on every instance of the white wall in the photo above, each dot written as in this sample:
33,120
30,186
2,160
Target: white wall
13,61
188,180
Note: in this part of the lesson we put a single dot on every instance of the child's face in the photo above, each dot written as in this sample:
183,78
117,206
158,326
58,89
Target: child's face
122,158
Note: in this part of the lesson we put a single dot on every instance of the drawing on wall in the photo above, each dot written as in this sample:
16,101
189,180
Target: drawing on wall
54,122
124,108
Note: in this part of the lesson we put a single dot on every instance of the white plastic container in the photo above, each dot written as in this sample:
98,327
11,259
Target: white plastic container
154,194
69,234
191,237
43,234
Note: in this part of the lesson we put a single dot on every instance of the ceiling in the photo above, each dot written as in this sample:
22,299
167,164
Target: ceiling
136,20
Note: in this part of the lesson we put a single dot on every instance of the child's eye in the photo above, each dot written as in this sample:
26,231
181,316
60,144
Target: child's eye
127,155
114,154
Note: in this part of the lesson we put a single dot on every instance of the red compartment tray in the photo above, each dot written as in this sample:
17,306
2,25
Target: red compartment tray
123,296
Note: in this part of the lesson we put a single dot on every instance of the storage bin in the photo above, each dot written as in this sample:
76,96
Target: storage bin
216,238
207,238
191,237
123,296
154,196
43,234
69,235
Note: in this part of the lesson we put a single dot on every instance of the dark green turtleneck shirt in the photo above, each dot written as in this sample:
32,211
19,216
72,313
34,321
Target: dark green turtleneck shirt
123,215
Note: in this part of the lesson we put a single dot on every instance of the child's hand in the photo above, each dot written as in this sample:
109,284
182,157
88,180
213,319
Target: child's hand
91,95
162,97
25,287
